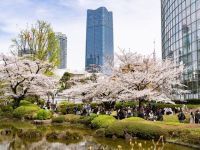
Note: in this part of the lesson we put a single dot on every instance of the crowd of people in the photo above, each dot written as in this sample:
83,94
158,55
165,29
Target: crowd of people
148,111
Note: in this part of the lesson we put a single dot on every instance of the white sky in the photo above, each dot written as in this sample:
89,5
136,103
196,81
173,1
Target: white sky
137,23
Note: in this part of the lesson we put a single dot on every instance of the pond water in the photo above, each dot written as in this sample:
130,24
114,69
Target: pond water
20,136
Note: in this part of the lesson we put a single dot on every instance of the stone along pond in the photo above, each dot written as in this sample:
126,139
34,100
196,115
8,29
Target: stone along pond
17,135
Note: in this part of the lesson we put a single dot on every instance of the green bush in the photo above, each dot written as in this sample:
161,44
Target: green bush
25,103
27,112
41,102
103,121
59,119
193,101
31,98
119,105
161,105
7,109
63,105
135,129
72,118
43,114
87,119
94,105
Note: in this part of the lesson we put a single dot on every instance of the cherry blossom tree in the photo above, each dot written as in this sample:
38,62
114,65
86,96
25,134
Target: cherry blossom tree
144,77
22,77
134,77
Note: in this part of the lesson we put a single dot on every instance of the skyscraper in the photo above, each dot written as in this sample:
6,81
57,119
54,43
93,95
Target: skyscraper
62,38
181,39
99,38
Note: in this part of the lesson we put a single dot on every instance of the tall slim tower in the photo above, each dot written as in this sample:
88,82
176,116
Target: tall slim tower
99,39
63,50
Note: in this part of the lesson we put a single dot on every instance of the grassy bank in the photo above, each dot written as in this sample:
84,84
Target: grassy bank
170,129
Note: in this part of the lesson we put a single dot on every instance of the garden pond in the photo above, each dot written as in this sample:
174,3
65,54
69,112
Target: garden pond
17,135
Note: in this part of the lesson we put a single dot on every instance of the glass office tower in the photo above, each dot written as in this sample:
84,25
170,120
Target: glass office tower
99,38
62,39
181,39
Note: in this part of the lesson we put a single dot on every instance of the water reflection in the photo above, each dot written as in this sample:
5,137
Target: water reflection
27,139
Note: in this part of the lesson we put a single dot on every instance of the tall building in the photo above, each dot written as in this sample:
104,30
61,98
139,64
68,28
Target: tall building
62,38
99,38
181,39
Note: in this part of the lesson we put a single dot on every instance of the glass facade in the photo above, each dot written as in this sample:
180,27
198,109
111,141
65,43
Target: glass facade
99,38
62,39
181,39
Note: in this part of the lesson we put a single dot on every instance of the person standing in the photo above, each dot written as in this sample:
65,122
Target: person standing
181,116
192,118
197,117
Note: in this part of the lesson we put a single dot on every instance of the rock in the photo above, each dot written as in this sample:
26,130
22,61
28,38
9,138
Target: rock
114,137
128,136
39,122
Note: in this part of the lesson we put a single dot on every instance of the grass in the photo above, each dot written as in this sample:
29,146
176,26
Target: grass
170,128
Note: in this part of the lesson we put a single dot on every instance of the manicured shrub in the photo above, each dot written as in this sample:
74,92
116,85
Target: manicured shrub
161,105
27,112
118,105
43,114
193,101
103,121
189,106
59,119
31,98
87,119
72,118
25,103
136,129
131,104
63,105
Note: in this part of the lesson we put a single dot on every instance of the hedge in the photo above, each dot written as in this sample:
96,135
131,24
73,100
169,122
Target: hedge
63,105
135,129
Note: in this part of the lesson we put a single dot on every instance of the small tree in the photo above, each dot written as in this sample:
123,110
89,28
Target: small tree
39,42
23,77
64,81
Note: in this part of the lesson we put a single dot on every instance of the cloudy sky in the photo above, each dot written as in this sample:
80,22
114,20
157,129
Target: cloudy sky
136,23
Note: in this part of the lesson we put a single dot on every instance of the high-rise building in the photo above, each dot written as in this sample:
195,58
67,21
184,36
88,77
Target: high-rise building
181,39
99,38
62,38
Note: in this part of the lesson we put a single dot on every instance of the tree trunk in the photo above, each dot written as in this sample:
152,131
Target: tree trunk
17,101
